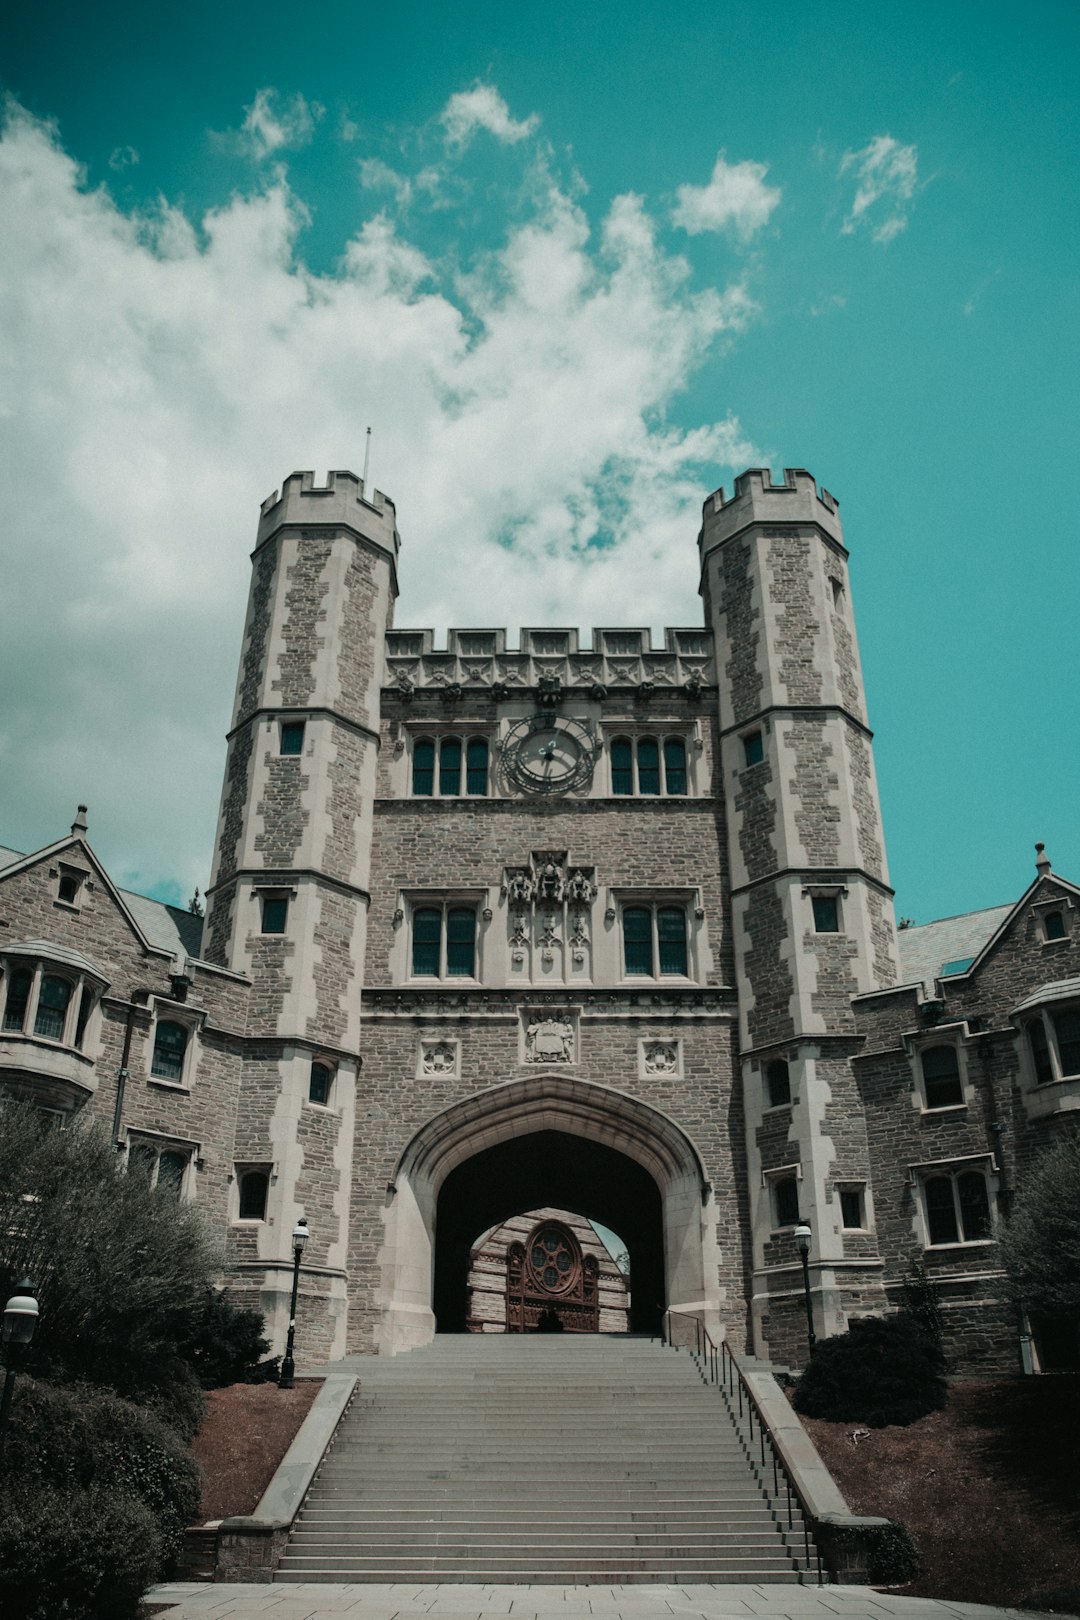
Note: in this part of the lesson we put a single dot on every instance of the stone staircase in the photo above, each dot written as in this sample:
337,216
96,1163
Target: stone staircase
563,1458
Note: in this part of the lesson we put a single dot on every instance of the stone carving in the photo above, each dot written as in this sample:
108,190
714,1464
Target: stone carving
579,887
519,936
549,1039
549,691
438,1057
549,880
660,1057
518,885
549,935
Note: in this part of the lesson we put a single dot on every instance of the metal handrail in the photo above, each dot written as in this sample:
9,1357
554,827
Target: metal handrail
719,1367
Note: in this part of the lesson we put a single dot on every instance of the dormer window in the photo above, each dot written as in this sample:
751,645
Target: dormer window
1054,925
69,885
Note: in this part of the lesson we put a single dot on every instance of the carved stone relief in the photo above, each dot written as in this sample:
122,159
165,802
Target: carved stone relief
549,1036
660,1057
438,1057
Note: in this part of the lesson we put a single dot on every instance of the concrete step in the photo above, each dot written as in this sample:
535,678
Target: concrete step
617,1575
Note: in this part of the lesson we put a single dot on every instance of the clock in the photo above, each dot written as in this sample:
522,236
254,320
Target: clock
548,754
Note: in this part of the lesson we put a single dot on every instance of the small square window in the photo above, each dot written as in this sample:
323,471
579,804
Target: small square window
753,748
826,914
778,1083
852,1209
69,888
292,736
275,913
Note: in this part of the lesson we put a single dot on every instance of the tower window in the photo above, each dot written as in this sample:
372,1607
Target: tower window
292,736
785,1197
437,767
444,942
319,1083
254,1189
275,913
853,1208
648,766
654,941
753,748
778,1082
826,914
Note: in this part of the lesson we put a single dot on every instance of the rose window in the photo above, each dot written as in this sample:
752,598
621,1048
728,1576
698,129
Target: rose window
552,1260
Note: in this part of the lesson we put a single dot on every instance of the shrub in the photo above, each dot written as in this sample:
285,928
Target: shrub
227,1344
75,1439
893,1559
74,1554
884,1369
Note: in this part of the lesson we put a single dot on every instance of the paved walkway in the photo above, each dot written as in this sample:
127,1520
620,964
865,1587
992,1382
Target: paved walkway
309,1601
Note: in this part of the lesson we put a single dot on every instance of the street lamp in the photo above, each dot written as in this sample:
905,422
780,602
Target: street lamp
300,1236
20,1320
802,1235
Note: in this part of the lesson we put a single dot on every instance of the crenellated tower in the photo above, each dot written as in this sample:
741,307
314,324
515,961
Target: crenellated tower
289,895
812,914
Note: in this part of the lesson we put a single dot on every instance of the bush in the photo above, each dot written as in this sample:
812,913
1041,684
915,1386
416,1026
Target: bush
884,1369
77,1439
120,1268
227,1345
74,1554
893,1559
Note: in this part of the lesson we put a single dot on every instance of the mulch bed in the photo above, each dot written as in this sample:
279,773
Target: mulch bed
989,1489
246,1431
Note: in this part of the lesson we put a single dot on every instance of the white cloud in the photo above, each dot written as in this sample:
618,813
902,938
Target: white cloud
886,173
123,157
483,108
735,197
158,382
272,123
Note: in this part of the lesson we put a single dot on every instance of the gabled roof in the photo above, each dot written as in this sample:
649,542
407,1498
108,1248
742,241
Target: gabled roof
957,945
158,926
926,949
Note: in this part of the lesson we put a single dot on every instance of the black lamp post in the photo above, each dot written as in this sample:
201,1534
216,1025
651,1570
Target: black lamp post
288,1366
802,1237
20,1320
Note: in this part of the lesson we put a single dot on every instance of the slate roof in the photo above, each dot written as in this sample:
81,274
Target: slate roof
169,928
925,950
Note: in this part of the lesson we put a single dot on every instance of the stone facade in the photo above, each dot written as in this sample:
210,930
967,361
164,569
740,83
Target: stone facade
604,929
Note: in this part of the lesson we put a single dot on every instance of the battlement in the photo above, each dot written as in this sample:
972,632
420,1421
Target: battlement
341,500
616,658
757,499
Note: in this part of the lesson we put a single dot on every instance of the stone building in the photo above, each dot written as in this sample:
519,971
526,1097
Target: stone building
601,929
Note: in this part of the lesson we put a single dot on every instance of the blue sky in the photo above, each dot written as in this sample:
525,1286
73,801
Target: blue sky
577,264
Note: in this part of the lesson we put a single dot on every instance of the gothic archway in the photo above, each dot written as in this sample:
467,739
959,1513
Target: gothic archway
547,1140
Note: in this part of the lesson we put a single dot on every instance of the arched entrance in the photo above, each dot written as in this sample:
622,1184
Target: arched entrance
549,1167
547,1140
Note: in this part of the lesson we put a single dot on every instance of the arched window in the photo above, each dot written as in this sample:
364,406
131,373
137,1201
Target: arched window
476,766
18,996
254,1186
450,767
170,1176
53,998
423,767
778,1082
648,765
675,766
170,1044
637,940
427,927
942,1085
622,767
319,1083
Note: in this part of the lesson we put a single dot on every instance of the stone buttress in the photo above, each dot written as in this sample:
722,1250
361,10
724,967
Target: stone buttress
812,920
288,900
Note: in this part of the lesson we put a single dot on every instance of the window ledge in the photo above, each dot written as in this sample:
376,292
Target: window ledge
952,1248
1047,944
168,1085
946,1108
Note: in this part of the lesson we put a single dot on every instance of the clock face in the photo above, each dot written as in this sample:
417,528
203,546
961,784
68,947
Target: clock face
548,754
